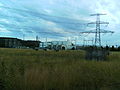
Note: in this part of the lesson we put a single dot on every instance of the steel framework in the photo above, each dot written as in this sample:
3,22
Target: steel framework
98,29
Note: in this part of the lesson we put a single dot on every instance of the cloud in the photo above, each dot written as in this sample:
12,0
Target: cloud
53,18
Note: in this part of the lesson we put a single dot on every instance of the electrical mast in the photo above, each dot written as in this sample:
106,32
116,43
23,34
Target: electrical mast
98,29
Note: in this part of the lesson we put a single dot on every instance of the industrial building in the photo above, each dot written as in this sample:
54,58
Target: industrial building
58,45
8,42
31,44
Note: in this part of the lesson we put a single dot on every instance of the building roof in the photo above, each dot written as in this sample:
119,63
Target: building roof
10,38
7,38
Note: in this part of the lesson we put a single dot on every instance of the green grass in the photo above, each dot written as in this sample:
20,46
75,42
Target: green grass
22,69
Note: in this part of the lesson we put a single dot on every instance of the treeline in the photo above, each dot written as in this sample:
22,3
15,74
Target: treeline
110,48
113,48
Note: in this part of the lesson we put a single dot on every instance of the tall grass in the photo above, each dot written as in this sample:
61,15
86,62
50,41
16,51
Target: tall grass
65,70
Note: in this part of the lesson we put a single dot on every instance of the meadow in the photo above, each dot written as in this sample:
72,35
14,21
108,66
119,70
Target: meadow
24,69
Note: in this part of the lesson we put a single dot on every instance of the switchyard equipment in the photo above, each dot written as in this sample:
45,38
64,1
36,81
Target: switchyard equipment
87,42
58,45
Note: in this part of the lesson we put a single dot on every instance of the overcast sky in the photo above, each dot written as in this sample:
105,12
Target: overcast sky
58,19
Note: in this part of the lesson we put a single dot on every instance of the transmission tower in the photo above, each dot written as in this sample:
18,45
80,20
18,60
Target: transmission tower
98,29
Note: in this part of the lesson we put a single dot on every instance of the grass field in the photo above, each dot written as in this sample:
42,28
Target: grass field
64,70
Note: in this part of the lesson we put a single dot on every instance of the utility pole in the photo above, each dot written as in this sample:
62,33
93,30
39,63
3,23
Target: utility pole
98,29
23,36
37,38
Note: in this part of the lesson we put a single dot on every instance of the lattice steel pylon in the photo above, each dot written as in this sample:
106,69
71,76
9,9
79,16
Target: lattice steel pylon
98,29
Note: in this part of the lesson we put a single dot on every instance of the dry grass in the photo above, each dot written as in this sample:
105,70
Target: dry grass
65,70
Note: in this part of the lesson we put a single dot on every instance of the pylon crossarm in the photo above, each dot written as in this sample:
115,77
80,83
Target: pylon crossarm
106,31
102,31
98,14
88,32
101,22
91,23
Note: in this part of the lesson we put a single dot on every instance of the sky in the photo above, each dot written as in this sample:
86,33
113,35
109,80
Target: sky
59,19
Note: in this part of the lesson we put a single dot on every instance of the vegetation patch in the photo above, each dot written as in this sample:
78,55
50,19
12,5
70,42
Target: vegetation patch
22,69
